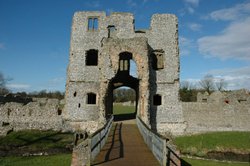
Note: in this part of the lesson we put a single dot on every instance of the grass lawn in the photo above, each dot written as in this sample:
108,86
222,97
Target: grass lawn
54,160
197,162
199,145
37,140
119,109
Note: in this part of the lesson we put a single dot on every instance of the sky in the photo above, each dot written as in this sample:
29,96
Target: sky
214,38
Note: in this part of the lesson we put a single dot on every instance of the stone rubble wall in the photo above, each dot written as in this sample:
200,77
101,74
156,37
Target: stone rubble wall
41,114
221,112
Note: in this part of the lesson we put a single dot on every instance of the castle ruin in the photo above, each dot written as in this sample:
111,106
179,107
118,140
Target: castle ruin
101,50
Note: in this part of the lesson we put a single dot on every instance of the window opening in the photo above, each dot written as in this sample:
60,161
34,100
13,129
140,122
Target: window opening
124,62
133,68
111,31
93,24
91,98
157,100
75,94
59,112
92,57
158,59
204,100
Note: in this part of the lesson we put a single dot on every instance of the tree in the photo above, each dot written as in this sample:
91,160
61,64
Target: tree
207,83
123,95
3,80
188,92
220,84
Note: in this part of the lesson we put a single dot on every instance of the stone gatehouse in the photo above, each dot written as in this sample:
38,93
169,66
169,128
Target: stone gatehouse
101,50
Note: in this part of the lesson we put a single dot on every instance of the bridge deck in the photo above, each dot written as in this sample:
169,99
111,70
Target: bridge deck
125,146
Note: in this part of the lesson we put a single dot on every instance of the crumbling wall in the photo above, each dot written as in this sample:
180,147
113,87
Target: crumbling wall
41,114
220,112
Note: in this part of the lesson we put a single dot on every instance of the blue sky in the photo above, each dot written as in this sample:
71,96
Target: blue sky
214,38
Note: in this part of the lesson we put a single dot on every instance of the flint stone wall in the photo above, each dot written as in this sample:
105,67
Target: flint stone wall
218,112
41,114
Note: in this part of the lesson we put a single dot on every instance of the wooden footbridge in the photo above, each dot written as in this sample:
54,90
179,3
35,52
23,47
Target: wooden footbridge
124,143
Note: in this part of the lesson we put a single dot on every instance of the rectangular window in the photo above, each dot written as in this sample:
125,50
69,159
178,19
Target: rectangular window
91,98
157,100
93,24
91,57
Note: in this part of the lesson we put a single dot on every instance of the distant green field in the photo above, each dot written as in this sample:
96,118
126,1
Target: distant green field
119,109
54,160
197,162
199,145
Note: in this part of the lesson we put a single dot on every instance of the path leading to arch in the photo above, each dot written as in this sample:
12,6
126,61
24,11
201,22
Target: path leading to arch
125,146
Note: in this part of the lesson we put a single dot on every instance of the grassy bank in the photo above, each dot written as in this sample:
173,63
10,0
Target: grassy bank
18,143
200,145
54,160
198,162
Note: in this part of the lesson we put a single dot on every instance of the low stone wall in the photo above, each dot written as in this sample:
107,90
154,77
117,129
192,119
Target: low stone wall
216,116
41,114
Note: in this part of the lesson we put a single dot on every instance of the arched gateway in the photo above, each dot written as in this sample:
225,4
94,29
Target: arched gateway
100,52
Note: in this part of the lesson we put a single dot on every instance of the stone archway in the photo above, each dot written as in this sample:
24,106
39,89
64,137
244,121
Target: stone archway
116,73
122,78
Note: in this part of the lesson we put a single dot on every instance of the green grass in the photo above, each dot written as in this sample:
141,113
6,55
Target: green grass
198,162
54,160
119,109
35,139
200,144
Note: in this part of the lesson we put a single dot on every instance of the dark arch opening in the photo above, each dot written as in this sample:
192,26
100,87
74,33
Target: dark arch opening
122,79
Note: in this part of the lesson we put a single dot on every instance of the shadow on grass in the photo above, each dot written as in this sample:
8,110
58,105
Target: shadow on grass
185,163
122,117
47,138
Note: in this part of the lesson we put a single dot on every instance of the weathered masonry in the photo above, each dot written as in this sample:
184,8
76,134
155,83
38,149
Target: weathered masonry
101,51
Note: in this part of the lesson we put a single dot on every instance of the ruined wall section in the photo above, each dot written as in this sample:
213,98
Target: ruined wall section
41,114
163,35
219,111
209,117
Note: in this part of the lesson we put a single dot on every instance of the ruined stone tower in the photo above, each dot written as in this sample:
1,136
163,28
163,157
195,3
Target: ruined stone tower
101,50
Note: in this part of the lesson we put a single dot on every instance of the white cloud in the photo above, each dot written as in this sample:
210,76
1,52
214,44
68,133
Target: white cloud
190,10
233,42
192,2
233,13
56,81
93,4
185,45
131,3
195,26
235,78
190,6
2,46
18,87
